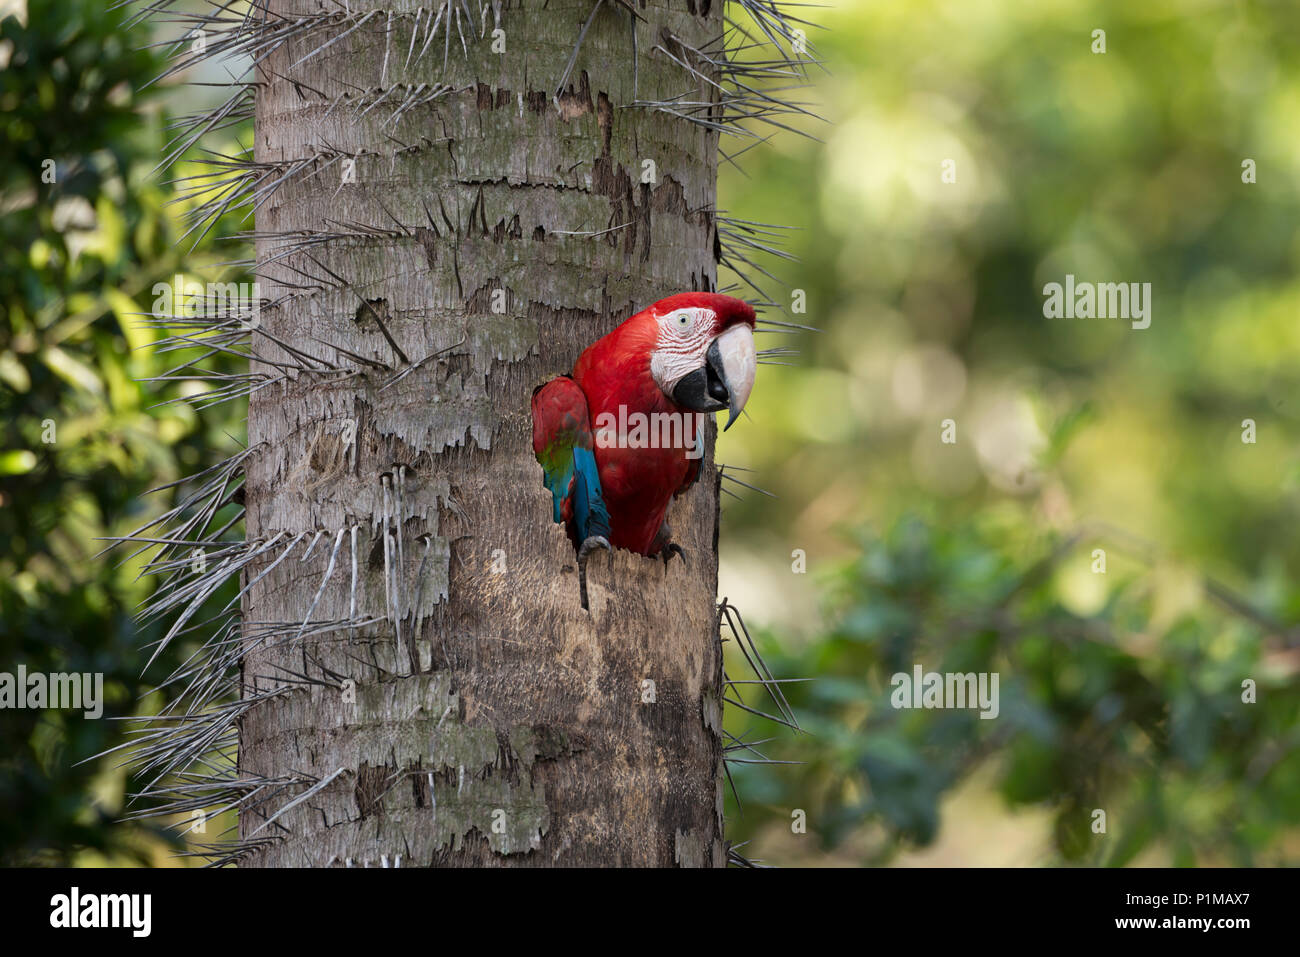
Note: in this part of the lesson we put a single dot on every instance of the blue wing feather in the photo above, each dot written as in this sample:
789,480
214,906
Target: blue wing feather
562,442
589,511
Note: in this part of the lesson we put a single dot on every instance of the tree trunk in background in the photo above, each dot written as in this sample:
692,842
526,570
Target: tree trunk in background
463,708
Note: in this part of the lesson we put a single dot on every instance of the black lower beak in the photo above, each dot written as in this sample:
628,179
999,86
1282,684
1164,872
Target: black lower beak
705,389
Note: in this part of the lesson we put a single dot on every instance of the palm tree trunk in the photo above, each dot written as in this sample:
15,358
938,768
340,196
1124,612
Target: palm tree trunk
420,680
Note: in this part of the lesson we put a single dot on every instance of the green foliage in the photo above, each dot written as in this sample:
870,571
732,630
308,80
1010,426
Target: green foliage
1137,709
1121,690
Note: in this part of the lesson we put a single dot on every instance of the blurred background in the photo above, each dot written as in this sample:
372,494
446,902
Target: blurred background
1098,534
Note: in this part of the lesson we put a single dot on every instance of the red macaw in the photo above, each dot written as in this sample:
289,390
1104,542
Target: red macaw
620,437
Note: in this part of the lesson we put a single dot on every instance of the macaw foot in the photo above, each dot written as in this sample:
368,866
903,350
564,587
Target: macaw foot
590,544
671,549
664,546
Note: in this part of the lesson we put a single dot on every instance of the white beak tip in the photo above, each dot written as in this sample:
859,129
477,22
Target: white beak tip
739,364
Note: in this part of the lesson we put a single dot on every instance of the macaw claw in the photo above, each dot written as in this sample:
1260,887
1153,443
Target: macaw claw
590,544
671,549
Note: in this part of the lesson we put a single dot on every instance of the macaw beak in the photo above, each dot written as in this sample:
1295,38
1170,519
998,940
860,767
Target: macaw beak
726,378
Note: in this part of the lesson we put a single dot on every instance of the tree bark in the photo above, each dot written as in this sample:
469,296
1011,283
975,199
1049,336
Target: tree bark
448,702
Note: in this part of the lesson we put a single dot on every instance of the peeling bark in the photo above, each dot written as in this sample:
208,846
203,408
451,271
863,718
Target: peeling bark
468,710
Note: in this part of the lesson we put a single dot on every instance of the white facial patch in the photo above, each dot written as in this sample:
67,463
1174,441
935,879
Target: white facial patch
684,337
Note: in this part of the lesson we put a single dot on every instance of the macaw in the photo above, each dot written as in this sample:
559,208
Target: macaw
660,371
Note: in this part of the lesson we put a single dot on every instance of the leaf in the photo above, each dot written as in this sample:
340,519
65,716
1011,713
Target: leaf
73,371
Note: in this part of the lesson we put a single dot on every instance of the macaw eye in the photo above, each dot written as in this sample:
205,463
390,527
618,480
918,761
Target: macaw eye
684,320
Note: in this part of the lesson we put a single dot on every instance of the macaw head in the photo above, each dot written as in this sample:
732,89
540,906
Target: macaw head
703,357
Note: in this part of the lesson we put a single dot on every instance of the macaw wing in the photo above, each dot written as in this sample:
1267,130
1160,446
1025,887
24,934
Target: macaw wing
564,446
